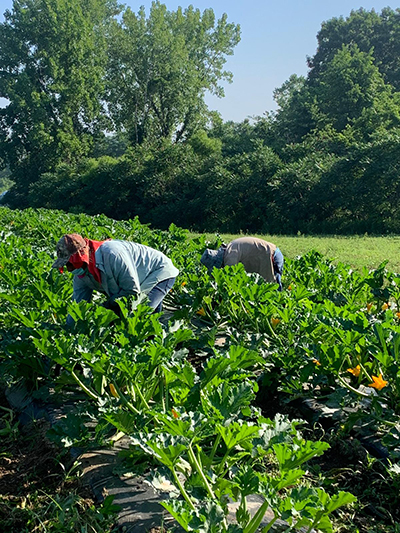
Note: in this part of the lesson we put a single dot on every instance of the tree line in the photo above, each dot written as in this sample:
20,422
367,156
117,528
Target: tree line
105,114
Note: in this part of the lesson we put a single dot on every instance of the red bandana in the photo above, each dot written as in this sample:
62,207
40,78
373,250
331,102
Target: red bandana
87,256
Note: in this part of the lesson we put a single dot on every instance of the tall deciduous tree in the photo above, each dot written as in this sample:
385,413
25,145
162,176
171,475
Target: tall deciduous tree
351,91
296,112
370,31
52,61
161,66
353,82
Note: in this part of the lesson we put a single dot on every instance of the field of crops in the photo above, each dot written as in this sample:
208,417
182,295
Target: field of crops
293,396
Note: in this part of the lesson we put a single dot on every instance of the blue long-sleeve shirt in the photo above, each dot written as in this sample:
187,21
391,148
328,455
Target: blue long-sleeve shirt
126,268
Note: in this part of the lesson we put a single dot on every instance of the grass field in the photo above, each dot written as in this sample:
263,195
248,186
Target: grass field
355,251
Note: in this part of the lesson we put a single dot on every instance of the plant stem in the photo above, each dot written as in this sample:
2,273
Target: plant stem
90,393
166,388
125,401
272,332
387,422
316,520
347,386
222,463
268,527
142,397
182,489
243,504
199,469
132,392
161,379
101,341
214,448
256,520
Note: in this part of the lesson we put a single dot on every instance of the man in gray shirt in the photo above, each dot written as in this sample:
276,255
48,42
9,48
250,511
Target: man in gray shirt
116,268
256,255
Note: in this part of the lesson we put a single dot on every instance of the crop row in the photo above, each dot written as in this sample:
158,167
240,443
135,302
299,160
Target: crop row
188,402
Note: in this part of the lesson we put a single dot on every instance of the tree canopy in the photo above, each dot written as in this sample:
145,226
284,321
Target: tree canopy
107,114
160,68
52,61
71,69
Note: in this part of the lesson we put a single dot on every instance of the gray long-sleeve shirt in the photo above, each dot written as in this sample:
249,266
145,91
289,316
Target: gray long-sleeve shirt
126,268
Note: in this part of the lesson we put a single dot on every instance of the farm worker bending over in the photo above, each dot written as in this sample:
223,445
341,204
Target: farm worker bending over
116,268
255,255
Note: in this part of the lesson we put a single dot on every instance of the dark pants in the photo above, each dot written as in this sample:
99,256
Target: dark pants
278,267
158,293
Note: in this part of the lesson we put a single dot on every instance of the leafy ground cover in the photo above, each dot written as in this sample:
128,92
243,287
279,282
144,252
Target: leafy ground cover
214,401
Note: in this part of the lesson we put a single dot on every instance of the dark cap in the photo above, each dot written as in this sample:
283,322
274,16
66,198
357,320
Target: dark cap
213,258
68,245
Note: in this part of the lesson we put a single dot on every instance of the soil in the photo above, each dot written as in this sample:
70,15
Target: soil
347,466
32,470
30,462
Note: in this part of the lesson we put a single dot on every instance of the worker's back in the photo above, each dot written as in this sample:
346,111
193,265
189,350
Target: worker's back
256,255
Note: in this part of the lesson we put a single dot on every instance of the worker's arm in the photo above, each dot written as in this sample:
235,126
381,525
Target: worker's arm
123,270
82,292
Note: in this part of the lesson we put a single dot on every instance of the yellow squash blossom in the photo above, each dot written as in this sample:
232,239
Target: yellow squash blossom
201,312
183,283
174,413
369,306
113,391
385,306
398,315
378,382
355,371
274,322
316,362
290,288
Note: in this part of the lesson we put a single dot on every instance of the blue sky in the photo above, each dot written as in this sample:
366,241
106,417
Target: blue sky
276,38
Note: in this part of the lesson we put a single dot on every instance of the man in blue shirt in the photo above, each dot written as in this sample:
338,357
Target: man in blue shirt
116,268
